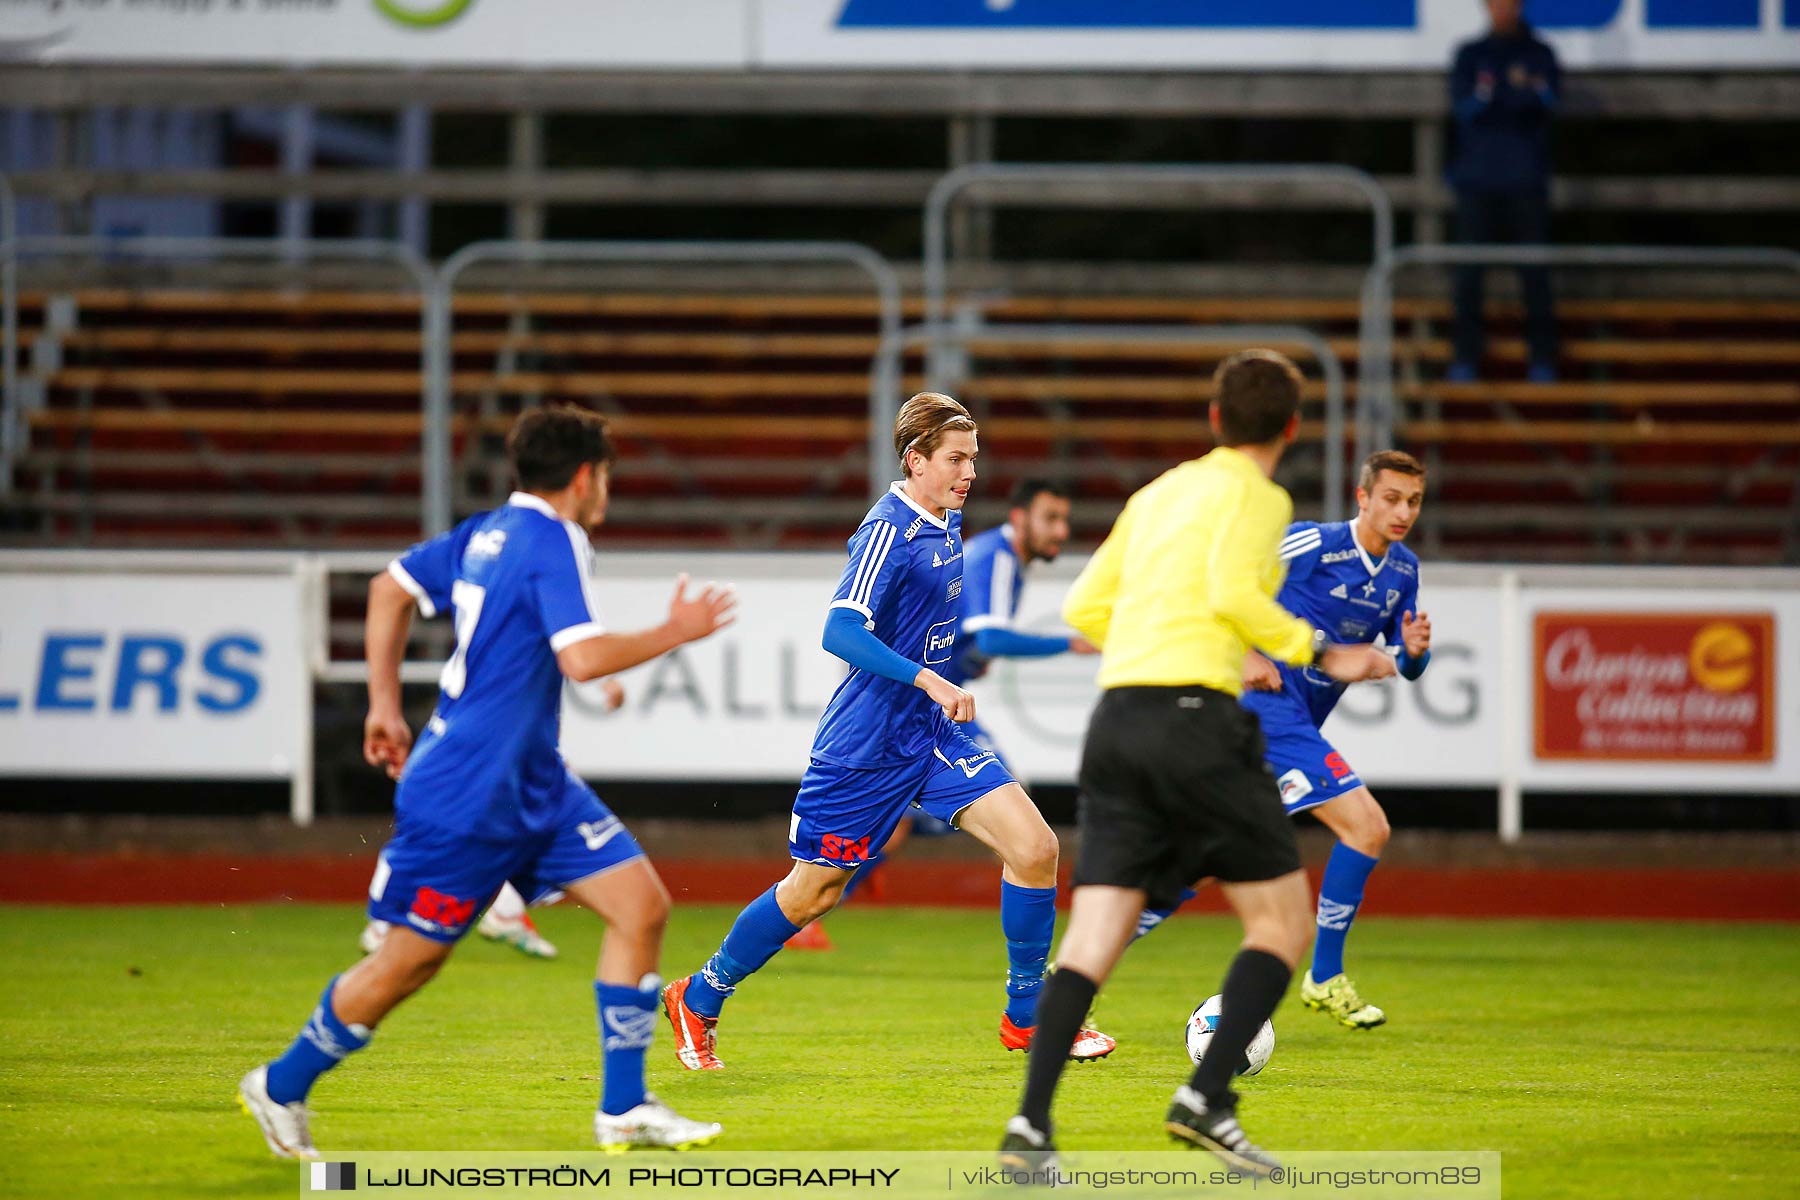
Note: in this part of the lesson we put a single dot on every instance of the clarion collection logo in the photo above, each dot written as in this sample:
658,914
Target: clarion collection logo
422,14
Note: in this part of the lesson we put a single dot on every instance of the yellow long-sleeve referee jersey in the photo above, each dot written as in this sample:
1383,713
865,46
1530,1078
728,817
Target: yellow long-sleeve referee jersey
1186,580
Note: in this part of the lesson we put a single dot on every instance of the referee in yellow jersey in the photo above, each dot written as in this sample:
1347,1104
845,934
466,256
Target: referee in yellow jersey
1173,787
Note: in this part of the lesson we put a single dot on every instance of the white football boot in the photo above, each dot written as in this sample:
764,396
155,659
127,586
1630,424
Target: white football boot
518,932
651,1124
283,1125
373,934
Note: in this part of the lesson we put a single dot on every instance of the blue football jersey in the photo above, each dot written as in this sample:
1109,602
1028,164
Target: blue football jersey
518,582
992,586
1333,583
905,577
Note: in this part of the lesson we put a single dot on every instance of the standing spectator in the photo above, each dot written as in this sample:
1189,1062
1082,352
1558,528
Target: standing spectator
1504,89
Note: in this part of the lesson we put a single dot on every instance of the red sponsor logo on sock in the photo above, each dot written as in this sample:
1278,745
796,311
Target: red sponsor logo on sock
840,849
446,912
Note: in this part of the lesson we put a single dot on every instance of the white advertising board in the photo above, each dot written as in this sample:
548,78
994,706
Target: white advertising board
744,704
170,675
449,33
1132,35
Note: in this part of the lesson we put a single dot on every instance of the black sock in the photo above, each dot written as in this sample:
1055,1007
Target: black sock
1253,987
1061,1007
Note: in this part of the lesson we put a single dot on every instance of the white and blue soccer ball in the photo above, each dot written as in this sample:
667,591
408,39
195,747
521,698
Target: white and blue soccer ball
1205,1020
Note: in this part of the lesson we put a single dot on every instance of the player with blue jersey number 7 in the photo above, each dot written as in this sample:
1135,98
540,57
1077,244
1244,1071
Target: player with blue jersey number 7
485,797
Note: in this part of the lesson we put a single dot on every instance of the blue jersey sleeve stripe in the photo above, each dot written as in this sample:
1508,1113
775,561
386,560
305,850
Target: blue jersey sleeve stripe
873,559
420,597
868,556
1296,549
583,552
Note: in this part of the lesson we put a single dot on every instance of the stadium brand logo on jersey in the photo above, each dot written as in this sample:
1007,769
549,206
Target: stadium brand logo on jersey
954,590
1295,786
842,849
1337,556
938,641
912,531
434,910
1404,568
488,543
1340,770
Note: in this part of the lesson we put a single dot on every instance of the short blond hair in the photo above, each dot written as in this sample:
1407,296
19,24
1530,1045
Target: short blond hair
923,422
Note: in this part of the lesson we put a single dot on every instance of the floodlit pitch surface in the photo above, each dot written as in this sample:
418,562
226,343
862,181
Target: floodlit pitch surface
1610,1059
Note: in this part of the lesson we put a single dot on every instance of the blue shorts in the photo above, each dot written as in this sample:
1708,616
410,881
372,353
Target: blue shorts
436,881
843,815
1307,770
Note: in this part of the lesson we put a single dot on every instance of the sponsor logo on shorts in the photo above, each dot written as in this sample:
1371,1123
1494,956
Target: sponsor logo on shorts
842,849
1340,770
972,766
1295,786
437,912
598,834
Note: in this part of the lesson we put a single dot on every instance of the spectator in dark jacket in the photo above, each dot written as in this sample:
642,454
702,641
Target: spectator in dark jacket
1504,89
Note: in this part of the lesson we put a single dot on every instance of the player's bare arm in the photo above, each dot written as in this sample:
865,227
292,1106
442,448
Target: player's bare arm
1415,634
1356,664
957,704
386,738
690,619
1260,675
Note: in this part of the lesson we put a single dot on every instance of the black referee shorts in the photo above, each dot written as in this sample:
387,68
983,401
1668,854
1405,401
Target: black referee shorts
1174,789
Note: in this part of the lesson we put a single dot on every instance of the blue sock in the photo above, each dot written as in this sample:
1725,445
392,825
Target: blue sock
755,936
1340,893
627,1021
323,1044
862,873
1150,918
1028,919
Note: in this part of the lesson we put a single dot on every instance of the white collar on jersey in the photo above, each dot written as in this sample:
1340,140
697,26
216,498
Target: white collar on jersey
1374,567
899,490
536,503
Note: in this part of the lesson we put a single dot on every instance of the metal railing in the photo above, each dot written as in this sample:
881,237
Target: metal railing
883,387
1043,177
892,348
276,252
9,333
1375,383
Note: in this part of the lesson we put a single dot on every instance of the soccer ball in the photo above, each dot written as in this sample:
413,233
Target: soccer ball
1205,1019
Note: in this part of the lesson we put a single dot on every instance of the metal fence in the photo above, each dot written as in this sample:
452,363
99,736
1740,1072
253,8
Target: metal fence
892,348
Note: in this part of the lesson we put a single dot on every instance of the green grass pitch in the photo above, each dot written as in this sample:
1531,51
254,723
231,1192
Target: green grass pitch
1603,1059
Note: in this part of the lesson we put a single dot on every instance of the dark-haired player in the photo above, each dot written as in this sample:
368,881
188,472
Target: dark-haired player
485,797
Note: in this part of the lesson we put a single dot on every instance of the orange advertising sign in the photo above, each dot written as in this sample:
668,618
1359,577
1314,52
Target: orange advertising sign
1655,687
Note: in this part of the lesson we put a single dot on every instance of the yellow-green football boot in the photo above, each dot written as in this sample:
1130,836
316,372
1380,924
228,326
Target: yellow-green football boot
1337,996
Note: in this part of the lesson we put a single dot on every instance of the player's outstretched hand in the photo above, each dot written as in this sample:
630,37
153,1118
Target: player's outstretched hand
386,741
1356,664
1080,645
1260,674
957,704
613,693
1415,634
693,618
